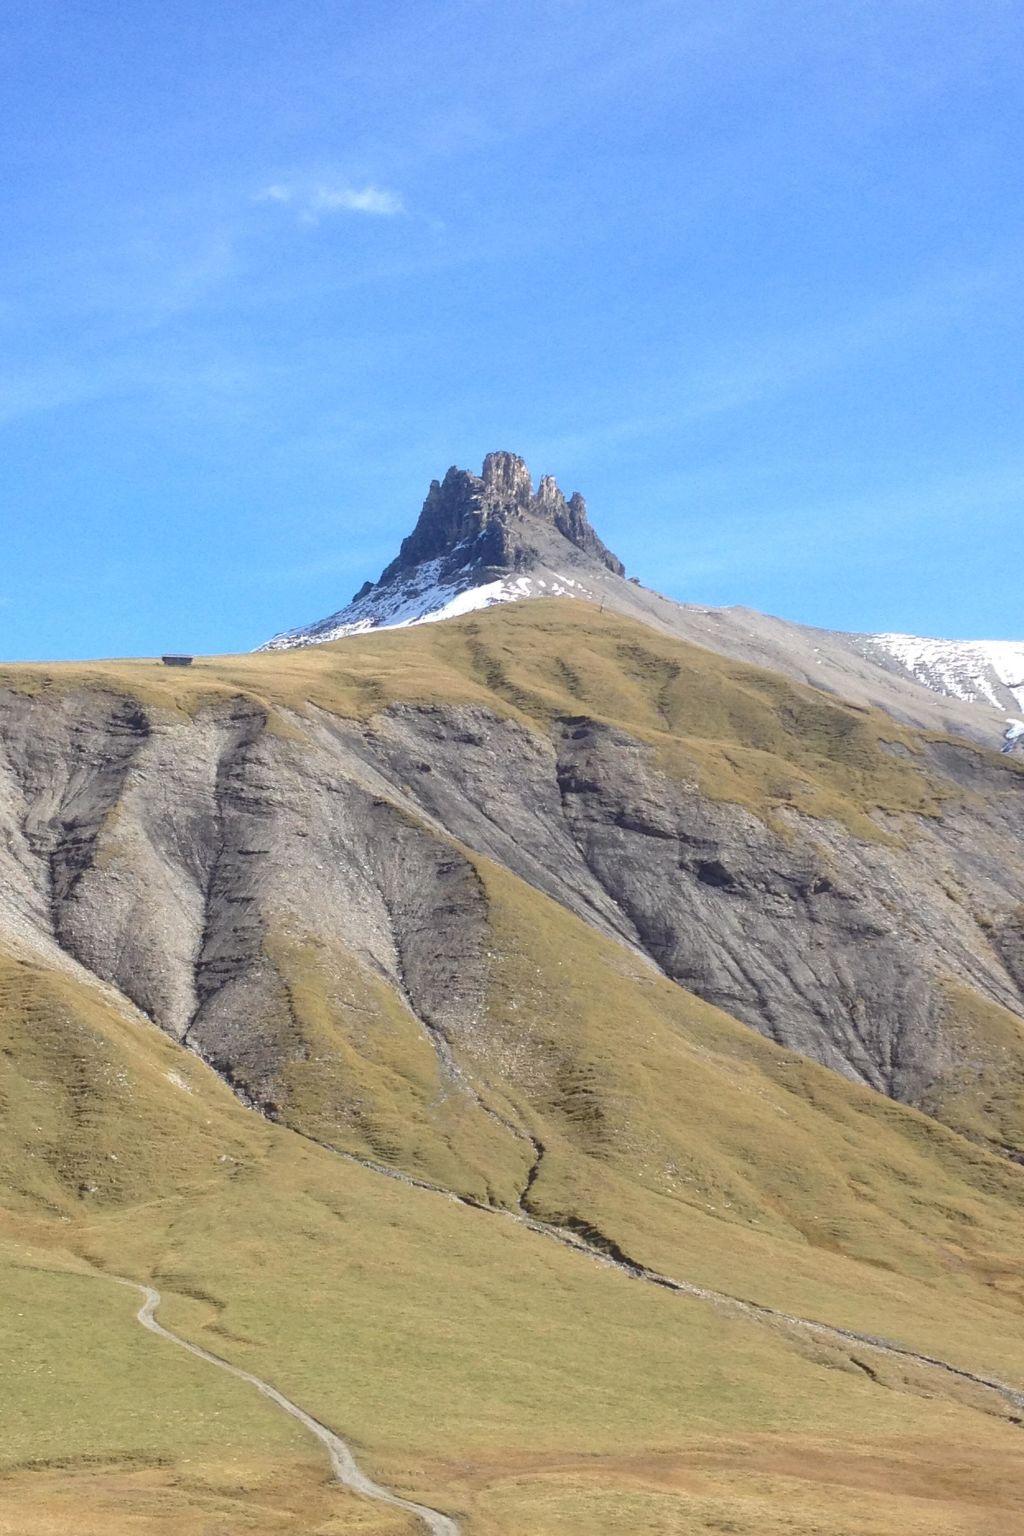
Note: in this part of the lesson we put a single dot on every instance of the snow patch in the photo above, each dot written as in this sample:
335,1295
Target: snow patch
420,598
977,671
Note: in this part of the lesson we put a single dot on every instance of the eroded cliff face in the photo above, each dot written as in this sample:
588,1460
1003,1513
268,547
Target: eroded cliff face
838,947
296,895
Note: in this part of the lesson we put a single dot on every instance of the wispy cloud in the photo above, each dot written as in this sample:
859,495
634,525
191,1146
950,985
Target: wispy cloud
358,200
277,192
312,203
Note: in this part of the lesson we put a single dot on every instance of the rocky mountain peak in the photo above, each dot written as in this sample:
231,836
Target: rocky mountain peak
489,533
493,519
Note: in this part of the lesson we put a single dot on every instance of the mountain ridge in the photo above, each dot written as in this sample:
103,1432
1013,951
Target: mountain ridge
488,540
644,730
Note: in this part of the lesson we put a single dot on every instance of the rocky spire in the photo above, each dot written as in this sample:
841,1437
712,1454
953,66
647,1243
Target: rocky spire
493,520
505,478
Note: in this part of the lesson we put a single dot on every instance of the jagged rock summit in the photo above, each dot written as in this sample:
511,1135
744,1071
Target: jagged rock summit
496,521
480,539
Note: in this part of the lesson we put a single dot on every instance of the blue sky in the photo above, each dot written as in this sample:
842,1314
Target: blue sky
748,275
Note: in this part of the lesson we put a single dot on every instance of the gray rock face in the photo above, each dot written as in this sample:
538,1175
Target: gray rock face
494,522
169,856
835,947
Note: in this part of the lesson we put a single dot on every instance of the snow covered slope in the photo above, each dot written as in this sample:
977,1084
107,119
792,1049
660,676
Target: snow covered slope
988,671
422,597
977,671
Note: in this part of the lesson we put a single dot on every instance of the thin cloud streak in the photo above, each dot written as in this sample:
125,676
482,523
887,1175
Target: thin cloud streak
314,203
193,386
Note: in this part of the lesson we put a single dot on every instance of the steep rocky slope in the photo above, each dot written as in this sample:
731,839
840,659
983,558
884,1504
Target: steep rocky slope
837,883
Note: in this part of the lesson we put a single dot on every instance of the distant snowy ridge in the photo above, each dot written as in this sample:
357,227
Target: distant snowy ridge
978,671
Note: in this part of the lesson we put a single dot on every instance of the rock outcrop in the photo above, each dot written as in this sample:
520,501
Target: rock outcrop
493,522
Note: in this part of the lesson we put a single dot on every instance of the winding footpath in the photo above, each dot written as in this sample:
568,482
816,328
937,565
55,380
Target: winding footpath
344,1465
590,1244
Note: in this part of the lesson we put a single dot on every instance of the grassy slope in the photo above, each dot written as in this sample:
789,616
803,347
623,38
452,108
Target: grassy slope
103,1427
984,1097
368,1080
757,1171
470,1361
97,1105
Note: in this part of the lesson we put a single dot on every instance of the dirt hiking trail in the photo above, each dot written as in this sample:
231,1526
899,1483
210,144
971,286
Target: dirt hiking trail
346,1468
